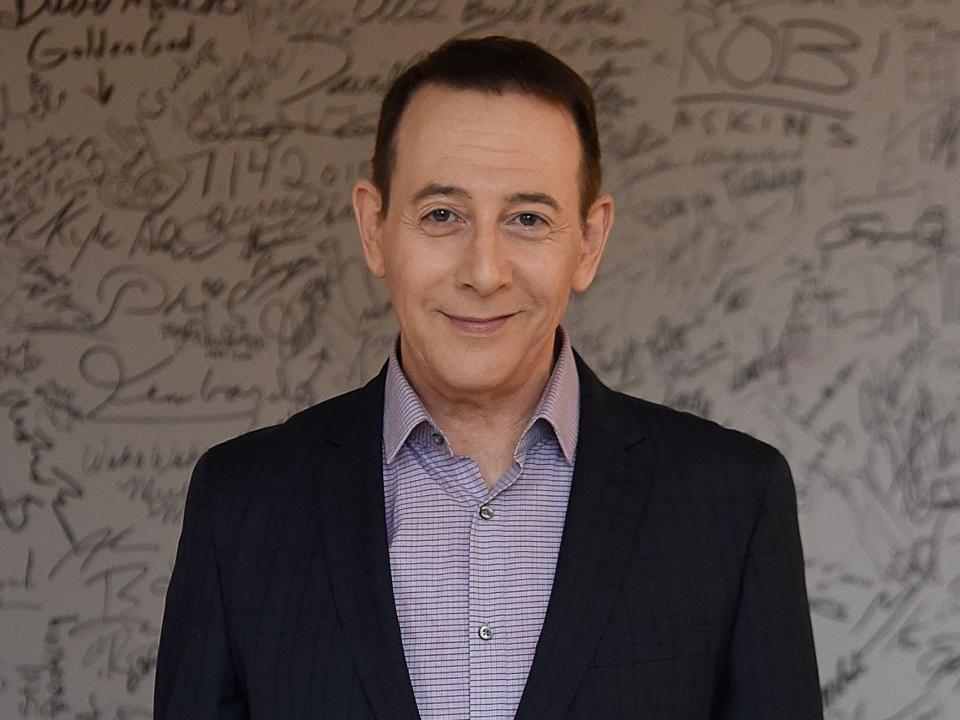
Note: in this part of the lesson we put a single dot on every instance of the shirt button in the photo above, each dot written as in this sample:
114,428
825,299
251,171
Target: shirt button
486,512
437,438
485,632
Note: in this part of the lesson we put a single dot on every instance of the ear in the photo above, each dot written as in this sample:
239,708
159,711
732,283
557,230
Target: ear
596,229
366,210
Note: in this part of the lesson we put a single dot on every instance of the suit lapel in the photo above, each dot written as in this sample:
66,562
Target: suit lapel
349,494
603,511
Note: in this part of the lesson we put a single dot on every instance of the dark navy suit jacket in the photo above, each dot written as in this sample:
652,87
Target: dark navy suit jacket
678,595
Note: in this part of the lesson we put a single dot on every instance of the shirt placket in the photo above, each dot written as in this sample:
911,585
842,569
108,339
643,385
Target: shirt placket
488,630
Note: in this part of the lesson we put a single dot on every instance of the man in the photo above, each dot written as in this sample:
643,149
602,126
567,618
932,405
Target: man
485,530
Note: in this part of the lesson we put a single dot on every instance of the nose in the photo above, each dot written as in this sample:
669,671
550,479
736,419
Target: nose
484,263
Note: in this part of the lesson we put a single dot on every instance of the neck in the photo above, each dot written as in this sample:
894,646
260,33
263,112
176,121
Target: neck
496,407
486,415
486,429
486,425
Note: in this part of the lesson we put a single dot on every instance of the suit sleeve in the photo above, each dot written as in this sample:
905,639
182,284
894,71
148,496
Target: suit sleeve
196,677
771,669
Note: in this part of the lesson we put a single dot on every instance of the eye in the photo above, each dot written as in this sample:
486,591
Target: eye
441,222
440,215
530,220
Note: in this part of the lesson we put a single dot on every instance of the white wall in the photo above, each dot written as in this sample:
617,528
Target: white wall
178,264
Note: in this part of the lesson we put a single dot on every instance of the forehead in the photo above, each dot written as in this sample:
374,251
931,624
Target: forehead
486,139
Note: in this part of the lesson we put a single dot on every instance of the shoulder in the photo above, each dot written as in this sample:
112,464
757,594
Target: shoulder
674,435
709,469
276,450
696,456
685,435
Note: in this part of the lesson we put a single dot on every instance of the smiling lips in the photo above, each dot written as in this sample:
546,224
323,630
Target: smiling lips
478,326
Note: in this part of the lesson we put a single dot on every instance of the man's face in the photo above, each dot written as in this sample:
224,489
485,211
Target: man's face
483,240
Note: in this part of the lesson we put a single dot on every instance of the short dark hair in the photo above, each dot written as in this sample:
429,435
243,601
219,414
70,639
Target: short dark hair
493,64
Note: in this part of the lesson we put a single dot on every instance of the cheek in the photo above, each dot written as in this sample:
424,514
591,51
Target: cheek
547,280
413,278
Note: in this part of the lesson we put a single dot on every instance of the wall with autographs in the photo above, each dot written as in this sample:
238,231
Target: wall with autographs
179,264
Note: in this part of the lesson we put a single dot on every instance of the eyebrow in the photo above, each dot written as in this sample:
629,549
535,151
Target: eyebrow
534,197
433,189
436,189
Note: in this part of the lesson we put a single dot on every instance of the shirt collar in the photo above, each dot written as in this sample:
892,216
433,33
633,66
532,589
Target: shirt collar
559,405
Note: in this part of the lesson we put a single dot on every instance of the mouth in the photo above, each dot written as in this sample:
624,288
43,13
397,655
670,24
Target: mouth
478,325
